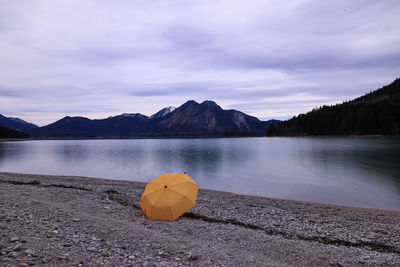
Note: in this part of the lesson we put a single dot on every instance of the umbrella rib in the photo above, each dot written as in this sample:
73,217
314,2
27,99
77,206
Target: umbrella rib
155,202
155,191
181,194
185,182
151,206
169,202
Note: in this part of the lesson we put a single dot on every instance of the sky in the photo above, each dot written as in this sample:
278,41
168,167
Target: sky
269,59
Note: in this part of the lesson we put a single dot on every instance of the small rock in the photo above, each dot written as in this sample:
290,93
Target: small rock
105,253
193,257
389,258
13,254
31,252
24,265
131,257
4,259
44,260
75,219
67,245
62,236
14,239
209,262
17,247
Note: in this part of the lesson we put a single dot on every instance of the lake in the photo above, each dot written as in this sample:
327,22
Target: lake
355,171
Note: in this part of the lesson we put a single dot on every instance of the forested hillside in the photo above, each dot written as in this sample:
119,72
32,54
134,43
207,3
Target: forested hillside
9,133
376,113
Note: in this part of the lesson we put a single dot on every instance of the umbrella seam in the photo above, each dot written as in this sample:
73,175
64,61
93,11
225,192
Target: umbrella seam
152,182
185,183
183,196
169,202
155,191
151,206
190,182
155,202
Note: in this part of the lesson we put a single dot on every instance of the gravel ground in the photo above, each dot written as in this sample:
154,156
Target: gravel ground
78,221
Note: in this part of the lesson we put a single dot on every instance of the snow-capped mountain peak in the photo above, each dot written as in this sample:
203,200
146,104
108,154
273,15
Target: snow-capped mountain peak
163,112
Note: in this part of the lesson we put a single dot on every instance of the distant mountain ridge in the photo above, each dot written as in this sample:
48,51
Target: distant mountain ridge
189,120
375,113
16,124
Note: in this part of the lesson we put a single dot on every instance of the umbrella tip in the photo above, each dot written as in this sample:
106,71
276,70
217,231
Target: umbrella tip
165,186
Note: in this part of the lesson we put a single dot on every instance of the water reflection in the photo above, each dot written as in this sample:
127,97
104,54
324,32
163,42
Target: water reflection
350,171
71,153
13,152
189,158
364,171
197,159
370,157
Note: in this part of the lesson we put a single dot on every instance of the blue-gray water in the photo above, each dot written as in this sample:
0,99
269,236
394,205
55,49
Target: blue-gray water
352,171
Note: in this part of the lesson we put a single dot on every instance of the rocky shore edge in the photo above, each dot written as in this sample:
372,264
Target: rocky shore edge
78,221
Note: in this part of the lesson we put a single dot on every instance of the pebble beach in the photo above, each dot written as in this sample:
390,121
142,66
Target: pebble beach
79,221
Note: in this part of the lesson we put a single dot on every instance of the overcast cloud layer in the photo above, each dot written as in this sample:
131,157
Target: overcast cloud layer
266,58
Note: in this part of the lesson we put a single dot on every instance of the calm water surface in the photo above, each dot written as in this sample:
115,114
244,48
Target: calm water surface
346,170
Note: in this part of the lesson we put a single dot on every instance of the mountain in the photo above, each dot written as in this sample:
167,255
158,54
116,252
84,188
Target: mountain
124,125
162,112
189,120
375,113
16,123
67,127
10,133
206,119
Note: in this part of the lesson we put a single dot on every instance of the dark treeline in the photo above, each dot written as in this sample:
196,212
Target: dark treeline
376,113
238,134
9,133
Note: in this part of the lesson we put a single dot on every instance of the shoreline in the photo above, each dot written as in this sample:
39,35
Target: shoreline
190,137
66,220
143,184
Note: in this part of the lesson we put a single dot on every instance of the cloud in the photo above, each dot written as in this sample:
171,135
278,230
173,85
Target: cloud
93,58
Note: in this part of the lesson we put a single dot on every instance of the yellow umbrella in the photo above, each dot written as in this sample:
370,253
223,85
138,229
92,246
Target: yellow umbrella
169,196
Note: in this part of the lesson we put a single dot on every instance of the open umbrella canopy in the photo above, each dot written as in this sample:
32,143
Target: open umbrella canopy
169,196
